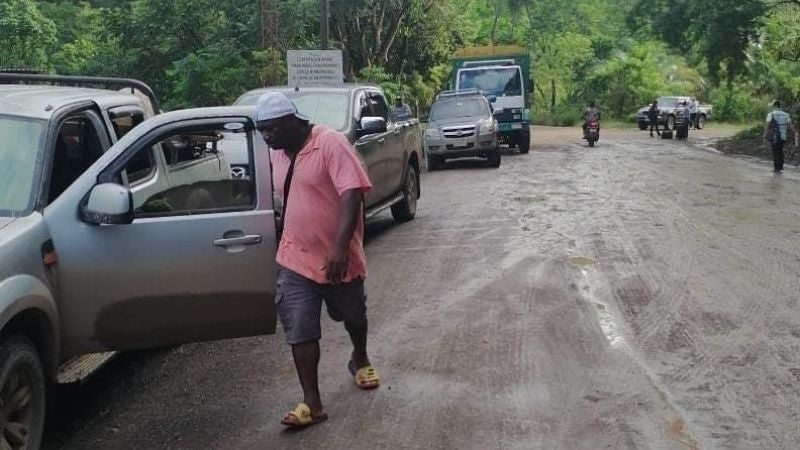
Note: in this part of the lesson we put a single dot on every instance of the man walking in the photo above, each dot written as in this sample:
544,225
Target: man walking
652,116
400,111
320,253
776,129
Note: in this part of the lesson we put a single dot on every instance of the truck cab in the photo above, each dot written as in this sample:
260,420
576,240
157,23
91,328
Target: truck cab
121,231
501,73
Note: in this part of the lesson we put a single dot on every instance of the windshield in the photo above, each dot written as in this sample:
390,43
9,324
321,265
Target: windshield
451,109
324,108
668,102
495,81
20,141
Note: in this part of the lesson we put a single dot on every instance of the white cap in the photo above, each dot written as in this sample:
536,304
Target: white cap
273,105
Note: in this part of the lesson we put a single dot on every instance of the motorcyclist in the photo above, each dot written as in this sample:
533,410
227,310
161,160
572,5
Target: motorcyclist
590,114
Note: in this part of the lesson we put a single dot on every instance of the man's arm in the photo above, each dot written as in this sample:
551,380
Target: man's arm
349,210
766,125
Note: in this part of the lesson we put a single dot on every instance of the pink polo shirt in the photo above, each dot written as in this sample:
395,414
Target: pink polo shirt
325,168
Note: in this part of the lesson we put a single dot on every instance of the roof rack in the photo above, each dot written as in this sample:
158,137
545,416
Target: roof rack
460,93
82,81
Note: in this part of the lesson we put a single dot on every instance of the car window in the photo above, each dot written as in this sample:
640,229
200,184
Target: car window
21,142
325,108
364,109
496,81
143,166
329,108
451,109
379,106
77,147
200,179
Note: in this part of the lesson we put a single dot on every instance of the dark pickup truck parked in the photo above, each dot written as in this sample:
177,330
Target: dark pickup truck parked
666,113
389,150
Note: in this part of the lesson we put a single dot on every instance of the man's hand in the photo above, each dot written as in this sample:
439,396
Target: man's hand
336,264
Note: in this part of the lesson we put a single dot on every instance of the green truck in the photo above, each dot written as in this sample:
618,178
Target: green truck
502,73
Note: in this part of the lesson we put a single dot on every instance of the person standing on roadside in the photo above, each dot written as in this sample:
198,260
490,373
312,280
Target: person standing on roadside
776,131
692,105
400,111
320,252
652,116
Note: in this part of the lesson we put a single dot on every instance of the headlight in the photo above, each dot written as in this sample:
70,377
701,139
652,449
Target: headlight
433,133
487,128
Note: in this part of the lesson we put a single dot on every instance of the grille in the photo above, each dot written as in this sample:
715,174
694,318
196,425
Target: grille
458,132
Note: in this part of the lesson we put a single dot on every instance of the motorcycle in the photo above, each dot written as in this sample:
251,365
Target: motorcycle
592,132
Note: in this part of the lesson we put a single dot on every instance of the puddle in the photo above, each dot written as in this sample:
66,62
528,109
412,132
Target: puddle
531,199
582,261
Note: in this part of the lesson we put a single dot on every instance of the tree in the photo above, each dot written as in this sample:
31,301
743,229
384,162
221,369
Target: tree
27,35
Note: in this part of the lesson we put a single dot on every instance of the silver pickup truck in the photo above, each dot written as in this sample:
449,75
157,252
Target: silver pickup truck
119,231
390,150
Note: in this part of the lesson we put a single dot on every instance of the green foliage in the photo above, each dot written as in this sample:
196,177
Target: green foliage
737,54
211,76
27,36
631,79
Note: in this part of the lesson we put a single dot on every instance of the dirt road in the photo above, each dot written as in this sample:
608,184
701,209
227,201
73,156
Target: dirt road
640,294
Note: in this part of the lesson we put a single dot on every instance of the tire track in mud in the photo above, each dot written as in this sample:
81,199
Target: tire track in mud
755,309
675,316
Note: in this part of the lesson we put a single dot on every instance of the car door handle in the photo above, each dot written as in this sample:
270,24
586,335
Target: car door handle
252,239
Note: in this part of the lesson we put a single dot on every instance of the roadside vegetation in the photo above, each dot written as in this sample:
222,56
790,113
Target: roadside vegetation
736,54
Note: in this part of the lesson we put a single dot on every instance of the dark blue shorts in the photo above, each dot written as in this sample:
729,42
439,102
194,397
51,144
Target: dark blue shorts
299,304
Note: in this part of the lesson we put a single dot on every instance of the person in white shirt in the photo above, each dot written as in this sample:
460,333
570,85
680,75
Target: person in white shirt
776,130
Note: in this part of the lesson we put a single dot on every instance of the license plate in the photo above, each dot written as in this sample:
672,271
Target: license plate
516,126
459,142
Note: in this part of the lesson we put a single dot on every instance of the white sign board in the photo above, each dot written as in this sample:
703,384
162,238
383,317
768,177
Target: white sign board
314,67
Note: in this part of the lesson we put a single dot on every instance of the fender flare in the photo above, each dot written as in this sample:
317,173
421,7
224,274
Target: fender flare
24,294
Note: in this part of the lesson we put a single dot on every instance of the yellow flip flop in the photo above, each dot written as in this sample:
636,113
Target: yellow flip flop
365,377
301,417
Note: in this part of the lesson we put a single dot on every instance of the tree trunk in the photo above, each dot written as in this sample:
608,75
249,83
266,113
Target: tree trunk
552,96
270,24
495,19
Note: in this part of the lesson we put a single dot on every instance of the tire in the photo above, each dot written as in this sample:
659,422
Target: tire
701,122
524,143
670,123
406,209
591,142
493,159
434,163
23,389
642,126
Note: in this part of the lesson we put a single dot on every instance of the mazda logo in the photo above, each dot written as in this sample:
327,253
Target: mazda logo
238,172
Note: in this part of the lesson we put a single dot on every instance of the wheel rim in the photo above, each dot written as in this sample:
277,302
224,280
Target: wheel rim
670,123
411,191
701,122
16,410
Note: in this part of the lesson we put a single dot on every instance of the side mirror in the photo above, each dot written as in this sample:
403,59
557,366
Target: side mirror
492,98
372,125
108,204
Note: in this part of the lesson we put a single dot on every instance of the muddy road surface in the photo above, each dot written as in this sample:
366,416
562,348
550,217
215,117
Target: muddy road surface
640,294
